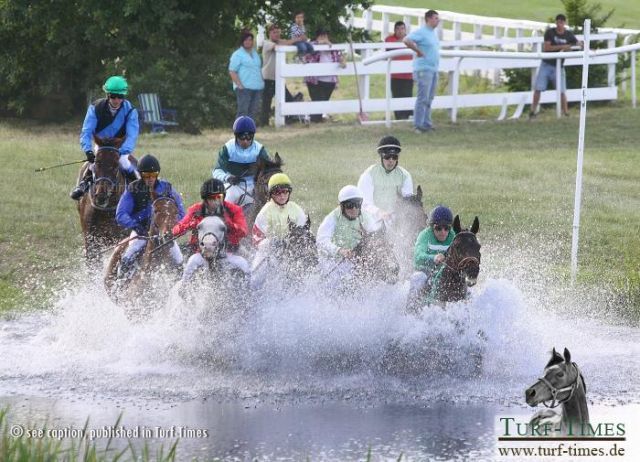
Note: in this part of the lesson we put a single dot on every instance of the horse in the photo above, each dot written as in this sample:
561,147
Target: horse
562,383
262,171
408,220
374,259
156,254
460,268
97,208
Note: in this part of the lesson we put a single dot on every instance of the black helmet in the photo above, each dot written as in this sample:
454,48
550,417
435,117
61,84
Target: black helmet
210,187
149,164
389,145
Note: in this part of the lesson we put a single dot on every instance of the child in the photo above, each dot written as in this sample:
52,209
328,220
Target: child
298,34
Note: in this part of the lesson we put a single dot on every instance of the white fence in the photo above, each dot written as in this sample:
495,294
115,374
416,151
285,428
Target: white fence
453,62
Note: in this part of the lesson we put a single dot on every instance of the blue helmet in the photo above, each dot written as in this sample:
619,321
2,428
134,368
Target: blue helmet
441,215
244,124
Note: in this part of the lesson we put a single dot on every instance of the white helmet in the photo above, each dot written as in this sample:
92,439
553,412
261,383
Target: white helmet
350,192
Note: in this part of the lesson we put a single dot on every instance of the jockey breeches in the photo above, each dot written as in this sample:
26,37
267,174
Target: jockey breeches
242,193
137,245
197,260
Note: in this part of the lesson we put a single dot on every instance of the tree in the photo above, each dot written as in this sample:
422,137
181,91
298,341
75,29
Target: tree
56,54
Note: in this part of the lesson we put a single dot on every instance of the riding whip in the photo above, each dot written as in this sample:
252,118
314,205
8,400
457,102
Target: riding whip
42,169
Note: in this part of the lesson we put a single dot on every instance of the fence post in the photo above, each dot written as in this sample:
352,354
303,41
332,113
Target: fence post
611,77
633,78
558,88
281,61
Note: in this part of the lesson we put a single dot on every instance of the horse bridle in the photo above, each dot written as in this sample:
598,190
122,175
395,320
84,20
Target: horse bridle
462,263
114,185
161,198
555,391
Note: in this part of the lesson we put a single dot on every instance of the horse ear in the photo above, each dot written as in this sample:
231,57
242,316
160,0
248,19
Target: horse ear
475,227
308,223
277,159
290,223
456,224
567,356
419,193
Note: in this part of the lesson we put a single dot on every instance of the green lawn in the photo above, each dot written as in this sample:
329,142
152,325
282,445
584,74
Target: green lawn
626,14
518,176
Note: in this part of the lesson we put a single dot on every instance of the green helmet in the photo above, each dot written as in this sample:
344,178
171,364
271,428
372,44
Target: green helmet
117,85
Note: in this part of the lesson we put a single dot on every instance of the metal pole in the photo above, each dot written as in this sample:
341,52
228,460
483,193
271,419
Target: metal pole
583,119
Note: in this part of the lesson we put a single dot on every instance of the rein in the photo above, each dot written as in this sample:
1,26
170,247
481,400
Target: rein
555,391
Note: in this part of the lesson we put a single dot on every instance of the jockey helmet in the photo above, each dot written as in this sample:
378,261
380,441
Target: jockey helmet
350,192
389,145
279,180
244,124
149,164
212,187
441,215
117,85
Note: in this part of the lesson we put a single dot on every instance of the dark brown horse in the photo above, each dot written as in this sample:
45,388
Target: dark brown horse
262,171
562,384
460,268
156,253
97,208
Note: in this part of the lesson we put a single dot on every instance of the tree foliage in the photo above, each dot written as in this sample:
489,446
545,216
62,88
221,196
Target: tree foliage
55,54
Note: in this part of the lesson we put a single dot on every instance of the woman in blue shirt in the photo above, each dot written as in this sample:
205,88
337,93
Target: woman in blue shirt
245,69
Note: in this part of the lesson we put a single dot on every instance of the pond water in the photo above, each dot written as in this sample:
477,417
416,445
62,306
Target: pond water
307,375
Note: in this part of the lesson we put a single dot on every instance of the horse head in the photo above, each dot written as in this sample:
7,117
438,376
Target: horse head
106,185
301,244
164,216
463,255
265,169
561,379
212,233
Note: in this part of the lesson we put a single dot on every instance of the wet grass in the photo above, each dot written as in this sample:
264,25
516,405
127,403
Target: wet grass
518,176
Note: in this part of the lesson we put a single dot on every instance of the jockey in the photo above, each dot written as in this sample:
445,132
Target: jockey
236,159
135,207
382,183
431,245
272,223
213,203
341,231
110,117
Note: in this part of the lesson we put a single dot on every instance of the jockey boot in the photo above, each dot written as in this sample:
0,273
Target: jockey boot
83,186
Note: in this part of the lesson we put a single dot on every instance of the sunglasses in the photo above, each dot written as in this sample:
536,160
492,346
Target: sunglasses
442,227
390,156
277,191
352,205
146,175
245,136
114,96
216,196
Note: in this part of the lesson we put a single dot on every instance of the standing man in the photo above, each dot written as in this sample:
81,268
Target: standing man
401,83
245,69
556,39
110,117
425,43
269,72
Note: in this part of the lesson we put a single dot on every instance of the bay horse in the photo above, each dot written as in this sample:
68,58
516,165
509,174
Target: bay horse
97,208
374,259
262,170
460,268
156,255
562,384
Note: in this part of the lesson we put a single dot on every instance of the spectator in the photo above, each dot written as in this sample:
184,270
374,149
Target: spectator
425,43
401,83
269,72
245,72
321,87
298,34
556,39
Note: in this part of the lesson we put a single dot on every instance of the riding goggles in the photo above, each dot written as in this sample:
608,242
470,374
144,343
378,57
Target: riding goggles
115,96
216,196
441,227
388,155
147,175
280,190
247,136
352,204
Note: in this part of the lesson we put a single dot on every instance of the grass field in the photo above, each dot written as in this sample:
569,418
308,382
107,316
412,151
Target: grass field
626,14
518,176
